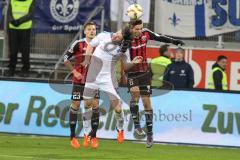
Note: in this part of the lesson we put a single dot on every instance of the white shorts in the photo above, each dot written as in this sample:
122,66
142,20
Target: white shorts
91,88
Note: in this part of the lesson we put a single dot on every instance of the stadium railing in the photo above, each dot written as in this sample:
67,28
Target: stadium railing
47,50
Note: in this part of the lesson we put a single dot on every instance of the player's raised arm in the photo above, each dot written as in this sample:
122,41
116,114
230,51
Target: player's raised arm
163,38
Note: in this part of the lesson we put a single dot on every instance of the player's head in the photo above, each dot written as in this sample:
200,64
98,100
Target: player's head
136,27
90,30
165,51
180,52
117,37
222,61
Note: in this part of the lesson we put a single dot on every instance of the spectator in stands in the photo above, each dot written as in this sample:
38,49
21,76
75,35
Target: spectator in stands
20,14
159,65
180,73
218,76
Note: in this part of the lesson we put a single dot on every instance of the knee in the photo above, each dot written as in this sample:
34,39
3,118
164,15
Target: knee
117,105
87,104
75,105
135,92
94,104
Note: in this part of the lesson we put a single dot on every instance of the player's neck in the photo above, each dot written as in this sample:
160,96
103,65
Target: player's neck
88,39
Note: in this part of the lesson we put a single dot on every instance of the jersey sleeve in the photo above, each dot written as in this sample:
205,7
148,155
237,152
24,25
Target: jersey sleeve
71,51
157,37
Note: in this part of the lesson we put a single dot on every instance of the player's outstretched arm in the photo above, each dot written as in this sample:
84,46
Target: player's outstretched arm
163,38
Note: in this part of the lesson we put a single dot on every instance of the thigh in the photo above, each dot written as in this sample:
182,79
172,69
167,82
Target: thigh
145,83
110,90
132,81
13,41
91,91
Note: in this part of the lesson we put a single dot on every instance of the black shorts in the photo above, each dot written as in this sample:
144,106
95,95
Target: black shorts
77,92
142,80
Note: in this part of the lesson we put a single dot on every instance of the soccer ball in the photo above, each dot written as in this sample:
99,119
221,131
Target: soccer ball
134,11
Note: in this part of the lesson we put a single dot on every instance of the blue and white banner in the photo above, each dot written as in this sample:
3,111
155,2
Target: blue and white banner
197,18
179,116
61,16
145,4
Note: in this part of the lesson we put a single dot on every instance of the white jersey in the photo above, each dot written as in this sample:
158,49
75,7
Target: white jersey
108,54
101,72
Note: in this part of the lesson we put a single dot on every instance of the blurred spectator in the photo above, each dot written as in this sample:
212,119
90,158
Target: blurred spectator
159,65
180,73
20,14
218,76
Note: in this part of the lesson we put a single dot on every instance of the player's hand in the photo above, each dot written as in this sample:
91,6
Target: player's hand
138,59
77,74
178,42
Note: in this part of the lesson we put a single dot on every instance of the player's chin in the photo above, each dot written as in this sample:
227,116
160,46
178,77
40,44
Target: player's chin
136,36
91,36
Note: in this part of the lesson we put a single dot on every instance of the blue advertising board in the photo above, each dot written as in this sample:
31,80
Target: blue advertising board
190,117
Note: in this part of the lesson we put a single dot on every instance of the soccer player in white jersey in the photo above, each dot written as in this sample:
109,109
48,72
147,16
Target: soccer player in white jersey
101,73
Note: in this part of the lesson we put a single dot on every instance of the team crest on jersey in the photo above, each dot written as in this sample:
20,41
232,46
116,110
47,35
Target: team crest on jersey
64,11
144,38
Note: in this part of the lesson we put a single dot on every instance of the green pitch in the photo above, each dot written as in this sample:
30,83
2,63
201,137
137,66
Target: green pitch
14,147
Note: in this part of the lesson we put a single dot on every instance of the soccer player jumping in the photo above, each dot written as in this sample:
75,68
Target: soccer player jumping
101,73
91,109
139,77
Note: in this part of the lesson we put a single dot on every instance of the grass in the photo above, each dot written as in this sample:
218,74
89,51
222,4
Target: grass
15,147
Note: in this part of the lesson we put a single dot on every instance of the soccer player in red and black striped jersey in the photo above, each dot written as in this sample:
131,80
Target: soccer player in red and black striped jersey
91,108
139,77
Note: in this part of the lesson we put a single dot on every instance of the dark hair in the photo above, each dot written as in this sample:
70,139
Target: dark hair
163,49
134,23
221,57
89,24
180,49
126,33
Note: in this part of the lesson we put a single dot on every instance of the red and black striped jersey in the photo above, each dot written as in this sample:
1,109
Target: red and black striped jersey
77,50
139,48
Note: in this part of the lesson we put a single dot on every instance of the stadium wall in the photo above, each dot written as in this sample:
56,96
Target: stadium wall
192,117
202,59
